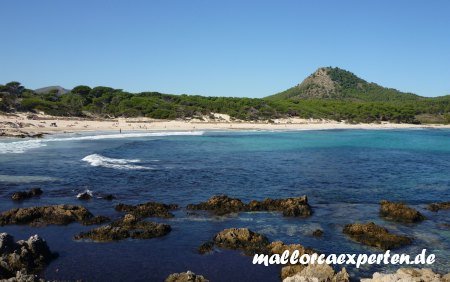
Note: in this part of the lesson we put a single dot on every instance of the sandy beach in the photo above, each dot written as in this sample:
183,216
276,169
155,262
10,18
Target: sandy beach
24,124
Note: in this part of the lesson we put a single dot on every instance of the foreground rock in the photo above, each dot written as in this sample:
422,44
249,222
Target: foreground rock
399,212
59,215
22,195
319,273
150,209
376,236
188,276
409,274
222,204
22,276
439,206
19,260
127,227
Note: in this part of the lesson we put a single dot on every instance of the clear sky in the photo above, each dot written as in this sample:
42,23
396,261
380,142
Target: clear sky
224,48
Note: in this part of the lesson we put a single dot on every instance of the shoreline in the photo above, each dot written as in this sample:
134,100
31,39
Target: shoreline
32,125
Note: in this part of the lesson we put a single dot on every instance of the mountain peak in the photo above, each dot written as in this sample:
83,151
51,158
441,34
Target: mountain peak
339,84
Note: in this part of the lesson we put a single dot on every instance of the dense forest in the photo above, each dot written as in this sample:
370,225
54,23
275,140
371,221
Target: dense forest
354,101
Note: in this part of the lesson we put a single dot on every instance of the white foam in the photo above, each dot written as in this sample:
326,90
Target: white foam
126,164
19,147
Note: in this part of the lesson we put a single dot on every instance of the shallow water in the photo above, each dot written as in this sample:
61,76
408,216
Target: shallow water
345,174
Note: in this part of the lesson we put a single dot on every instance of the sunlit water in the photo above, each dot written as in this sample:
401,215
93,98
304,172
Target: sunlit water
344,173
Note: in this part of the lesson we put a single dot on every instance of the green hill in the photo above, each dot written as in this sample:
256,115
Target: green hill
338,84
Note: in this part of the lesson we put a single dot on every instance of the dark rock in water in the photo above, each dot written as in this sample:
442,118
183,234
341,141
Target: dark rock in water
290,207
109,197
86,195
127,227
376,236
206,247
59,214
25,257
150,209
399,212
409,274
22,195
241,239
317,233
439,206
222,204
188,276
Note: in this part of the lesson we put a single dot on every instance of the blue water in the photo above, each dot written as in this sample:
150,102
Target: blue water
345,174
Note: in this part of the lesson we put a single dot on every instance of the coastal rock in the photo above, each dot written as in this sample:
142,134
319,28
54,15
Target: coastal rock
439,206
150,209
59,215
317,233
206,247
399,212
22,195
376,236
409,274
21,276
241,239
127,227
222,204
188,276
278,247
26,257
86,195
319,273
289,207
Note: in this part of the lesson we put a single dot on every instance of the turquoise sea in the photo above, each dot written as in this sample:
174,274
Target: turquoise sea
344,173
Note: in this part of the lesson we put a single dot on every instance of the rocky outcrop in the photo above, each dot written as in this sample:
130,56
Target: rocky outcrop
439,206
222,204
22,195
188,276
150,209
85,196
127,227
59,215
206,247
376,236
399,212
319,273
241,239
22,276
409,274
19,260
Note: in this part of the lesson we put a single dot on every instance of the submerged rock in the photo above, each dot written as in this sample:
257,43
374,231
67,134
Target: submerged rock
59,215
18,260
399,212
22,195
317,233
222,204
188,276
150,209
439,206
376,236
127,227
109,197
409,274
206,247
319,273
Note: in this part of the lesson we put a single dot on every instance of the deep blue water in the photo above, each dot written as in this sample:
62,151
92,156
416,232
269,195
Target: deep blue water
345,174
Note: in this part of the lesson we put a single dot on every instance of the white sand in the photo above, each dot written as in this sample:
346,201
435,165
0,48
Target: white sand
22,123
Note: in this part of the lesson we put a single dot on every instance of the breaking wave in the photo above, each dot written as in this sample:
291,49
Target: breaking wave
126,164
19,147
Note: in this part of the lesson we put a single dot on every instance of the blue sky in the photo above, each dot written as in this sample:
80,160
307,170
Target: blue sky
224,48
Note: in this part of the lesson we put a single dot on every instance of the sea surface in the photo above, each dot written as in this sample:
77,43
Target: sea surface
344,173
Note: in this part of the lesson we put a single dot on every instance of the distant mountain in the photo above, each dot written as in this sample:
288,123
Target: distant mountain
338,84
60,90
